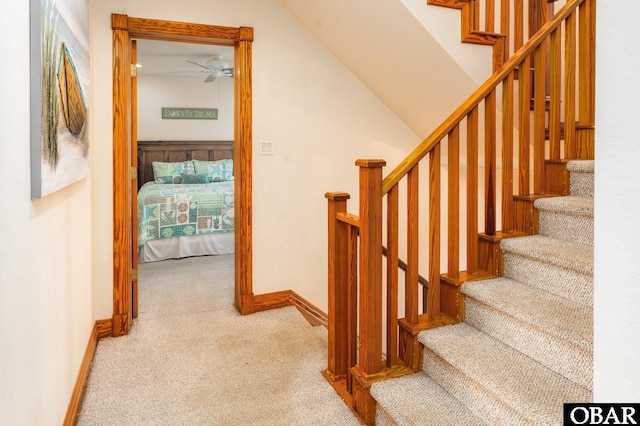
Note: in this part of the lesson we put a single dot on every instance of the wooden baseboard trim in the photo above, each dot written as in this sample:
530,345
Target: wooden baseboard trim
281,299
312,314
102,328
268,301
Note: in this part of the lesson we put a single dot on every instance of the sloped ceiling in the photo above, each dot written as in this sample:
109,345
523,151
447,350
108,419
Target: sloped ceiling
392,53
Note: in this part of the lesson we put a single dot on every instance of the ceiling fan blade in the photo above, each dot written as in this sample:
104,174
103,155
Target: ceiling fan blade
210,78
200,65
188,72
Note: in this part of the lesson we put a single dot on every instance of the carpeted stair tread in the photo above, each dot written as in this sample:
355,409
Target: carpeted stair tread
576,206
565,254
416,399
552,314
581,166
507,375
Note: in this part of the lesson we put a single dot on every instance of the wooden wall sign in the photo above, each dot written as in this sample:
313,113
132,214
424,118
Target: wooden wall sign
190,113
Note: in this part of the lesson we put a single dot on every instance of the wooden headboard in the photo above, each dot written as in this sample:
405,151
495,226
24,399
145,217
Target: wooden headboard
174,151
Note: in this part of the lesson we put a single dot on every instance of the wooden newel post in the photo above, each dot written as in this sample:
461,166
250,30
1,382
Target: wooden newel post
370,295
370,265
338,356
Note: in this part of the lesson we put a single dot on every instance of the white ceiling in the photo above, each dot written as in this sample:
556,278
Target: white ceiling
170,58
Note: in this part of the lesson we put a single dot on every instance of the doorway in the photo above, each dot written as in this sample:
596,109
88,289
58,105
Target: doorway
124,30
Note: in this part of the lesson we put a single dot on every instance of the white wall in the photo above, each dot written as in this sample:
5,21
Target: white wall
319,116
390,51
46,266
444,26
158,91
617,203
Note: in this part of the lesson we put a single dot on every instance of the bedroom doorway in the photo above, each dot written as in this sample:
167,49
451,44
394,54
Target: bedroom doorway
125,29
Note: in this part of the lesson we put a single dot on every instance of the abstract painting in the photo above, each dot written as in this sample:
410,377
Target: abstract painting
59,94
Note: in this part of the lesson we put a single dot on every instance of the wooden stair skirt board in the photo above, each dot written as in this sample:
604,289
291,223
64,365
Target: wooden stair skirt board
284,298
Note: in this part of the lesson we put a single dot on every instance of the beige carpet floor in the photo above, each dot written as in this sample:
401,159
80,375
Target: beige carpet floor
191,359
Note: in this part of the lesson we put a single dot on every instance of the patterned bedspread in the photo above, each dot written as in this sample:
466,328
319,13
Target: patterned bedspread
172,210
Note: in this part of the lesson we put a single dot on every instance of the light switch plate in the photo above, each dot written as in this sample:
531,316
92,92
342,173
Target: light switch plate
266,147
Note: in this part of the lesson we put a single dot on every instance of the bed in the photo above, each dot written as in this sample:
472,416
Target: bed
185,199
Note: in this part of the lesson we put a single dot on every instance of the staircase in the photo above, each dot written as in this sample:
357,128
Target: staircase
525,346
503,332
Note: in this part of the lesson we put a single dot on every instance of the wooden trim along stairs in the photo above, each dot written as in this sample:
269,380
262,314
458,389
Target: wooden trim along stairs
281,299
470,33
506,35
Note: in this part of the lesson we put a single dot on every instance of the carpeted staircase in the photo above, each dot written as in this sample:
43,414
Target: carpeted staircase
525,347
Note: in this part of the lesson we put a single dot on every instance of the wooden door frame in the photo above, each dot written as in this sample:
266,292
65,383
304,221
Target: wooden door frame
125,28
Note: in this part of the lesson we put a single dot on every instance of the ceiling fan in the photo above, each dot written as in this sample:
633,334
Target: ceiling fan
215,67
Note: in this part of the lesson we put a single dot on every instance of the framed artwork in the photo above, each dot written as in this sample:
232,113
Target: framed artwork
59,94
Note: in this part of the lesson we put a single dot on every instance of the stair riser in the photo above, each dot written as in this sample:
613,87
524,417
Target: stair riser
476,398
556,280
581,184
566,227
575,361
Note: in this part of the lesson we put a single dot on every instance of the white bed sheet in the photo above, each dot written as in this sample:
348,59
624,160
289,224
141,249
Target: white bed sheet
178,247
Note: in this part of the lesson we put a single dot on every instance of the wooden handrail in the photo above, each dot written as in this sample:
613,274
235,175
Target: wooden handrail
472,101
349,218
